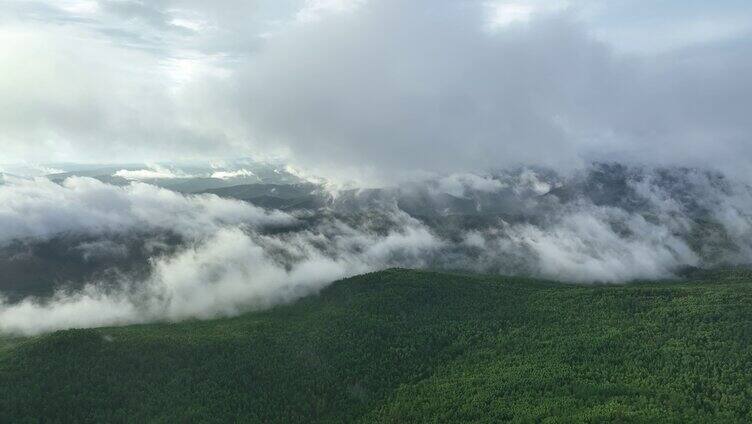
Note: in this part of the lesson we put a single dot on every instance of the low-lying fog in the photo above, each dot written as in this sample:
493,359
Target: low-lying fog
80,252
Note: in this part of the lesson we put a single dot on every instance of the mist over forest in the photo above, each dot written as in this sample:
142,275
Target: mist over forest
116,246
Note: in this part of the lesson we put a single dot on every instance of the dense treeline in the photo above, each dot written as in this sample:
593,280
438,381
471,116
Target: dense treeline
403,346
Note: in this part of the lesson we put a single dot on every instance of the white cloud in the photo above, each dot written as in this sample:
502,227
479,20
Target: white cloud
584,246
229,263
90,308
155,172
459,184
233,270
40,208
80,7
314,10
501,13
226,175
529,180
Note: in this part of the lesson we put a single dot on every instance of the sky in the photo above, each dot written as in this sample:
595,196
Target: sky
373,89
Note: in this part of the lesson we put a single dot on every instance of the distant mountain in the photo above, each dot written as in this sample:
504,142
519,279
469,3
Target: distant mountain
277,196
192,178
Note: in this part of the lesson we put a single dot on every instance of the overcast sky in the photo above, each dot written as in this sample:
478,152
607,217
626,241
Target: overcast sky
367,88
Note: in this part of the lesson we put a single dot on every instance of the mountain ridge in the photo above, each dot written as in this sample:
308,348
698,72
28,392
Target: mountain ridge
404,345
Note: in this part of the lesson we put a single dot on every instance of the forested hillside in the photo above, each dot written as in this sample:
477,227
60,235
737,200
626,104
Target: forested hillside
410,346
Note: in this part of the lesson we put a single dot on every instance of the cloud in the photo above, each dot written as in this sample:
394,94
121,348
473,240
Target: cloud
39,208
91,251
235,269
588,243
90,308
391,89
156,172
460,184
314,10
373,90
102,101
503,13
233,257
227,175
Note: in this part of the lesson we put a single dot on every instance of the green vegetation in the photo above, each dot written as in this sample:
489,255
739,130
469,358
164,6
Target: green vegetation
407,346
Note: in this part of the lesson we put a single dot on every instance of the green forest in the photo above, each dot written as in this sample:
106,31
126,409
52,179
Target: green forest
411,346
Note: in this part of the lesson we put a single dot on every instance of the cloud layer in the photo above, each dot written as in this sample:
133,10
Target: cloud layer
436,97
235,257
395,87
614,224
373,90
40,208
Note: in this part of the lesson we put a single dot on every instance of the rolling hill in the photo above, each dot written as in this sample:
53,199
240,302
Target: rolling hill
411,346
